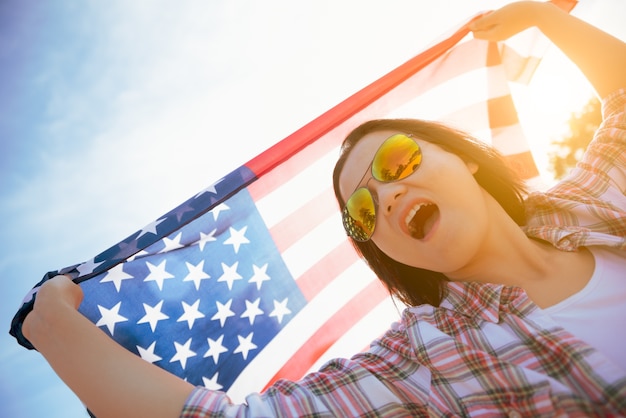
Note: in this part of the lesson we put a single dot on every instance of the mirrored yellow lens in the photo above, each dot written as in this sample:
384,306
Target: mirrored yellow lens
398,157
359,215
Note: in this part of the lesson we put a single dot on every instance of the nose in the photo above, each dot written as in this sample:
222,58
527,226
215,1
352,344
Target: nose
387,195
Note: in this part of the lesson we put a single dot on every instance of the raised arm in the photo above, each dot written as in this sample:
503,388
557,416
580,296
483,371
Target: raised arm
600,56
110,380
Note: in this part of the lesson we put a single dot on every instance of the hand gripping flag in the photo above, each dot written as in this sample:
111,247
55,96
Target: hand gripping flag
253,279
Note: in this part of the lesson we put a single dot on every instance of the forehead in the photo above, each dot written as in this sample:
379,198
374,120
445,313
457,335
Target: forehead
359,159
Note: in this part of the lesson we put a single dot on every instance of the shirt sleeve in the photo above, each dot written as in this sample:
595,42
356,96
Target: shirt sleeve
369,384
603,165
588,207
606,154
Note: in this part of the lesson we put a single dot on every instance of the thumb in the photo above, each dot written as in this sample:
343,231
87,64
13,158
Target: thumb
482,22
490,27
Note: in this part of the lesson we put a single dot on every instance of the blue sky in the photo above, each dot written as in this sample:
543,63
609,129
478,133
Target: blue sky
112,113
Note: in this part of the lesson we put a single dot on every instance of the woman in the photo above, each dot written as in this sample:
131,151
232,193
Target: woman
481,338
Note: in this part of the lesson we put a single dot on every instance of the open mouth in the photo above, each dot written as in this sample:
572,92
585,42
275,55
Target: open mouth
421,219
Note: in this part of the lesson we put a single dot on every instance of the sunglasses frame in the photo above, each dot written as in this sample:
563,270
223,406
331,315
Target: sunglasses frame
347,219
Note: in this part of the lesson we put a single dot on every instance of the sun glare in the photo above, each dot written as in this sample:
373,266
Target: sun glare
557,90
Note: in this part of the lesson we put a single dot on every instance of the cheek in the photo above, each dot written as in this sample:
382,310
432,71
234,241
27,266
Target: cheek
410,254
399,248
459,236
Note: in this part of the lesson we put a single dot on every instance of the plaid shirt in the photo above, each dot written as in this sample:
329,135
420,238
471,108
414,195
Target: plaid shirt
487,350
589,206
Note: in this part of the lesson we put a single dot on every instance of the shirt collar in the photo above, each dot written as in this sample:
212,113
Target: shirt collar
485,300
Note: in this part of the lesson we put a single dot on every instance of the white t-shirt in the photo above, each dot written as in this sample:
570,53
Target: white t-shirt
597,313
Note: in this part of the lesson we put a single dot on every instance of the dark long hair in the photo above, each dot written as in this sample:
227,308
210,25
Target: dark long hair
411,285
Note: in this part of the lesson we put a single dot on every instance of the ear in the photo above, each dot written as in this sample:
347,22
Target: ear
472,166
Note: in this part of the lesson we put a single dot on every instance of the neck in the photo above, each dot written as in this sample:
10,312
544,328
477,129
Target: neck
507,256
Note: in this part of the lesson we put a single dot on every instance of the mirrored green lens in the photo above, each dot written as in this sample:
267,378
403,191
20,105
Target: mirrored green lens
398,157
359,215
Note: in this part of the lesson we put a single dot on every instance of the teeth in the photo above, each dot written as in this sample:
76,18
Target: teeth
413,211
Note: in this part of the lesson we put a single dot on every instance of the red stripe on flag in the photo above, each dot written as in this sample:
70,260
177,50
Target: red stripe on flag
298,223
316,278
275,178
566,5
501,112
327,334
493,55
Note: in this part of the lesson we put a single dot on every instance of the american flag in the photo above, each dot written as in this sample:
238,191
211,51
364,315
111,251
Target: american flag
252,279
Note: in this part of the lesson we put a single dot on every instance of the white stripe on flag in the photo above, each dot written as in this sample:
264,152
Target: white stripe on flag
510,140
445,98
358,338
295,192
309,249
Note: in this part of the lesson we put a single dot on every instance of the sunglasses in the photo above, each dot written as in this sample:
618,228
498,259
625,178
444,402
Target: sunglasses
398,157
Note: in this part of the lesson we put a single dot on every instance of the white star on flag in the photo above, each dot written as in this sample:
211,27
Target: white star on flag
153,315
116,275
191,313
204,238
260,275
157,274
237,238
196,274
223,312
172,244
245,345
29,296
148,353
211,383
211,189
219,208
88,267
230,274
215,348
110,317
183,352
151,228
252,310
138,255
280,310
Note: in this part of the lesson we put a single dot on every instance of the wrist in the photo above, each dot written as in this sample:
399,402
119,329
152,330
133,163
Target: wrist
44,321
545,14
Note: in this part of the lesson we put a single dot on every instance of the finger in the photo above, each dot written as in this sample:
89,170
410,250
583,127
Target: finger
482,23
490,33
